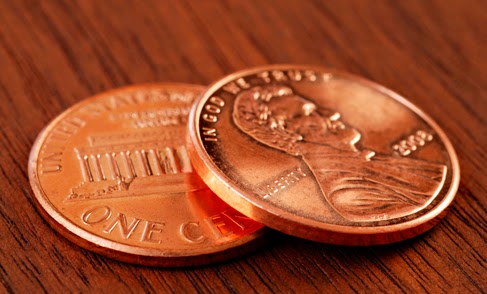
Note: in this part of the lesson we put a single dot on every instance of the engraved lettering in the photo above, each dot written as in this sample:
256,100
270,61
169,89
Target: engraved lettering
210,118
310,75
292,75
380,217
264,76
236,86
209,134
69,127
412,142
121,221
242,83
295,75
136,97
76,122
191,232
154,117
100,217
214,227
212,109
283,181
217,226
96,215
209,131
140,136
236,219
94,109
279,76
217,101
327,76
119,101
51,162
182,97
151,229
232,87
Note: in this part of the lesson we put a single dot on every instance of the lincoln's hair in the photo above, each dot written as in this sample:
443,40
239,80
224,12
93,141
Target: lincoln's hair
252,115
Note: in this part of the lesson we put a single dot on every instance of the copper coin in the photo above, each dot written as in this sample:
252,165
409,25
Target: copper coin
113,175
322,155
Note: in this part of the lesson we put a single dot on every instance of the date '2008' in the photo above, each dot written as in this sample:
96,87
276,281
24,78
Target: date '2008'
412,142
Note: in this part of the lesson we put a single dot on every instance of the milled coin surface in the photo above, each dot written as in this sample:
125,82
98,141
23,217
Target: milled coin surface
322,155
113,175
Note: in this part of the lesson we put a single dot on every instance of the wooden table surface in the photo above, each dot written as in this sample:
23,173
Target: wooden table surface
56,53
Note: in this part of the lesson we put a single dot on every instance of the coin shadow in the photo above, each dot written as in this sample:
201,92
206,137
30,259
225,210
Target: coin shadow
329,256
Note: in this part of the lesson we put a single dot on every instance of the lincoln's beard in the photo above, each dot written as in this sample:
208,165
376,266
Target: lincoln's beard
363,188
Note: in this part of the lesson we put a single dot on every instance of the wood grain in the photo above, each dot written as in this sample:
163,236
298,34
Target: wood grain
55,53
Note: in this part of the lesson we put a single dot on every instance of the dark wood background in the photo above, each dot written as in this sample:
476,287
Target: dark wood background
55,53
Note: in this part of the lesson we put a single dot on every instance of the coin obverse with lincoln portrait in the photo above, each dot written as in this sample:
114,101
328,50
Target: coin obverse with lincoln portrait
323,155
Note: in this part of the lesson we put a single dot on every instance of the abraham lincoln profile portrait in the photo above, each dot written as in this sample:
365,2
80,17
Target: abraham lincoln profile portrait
359,185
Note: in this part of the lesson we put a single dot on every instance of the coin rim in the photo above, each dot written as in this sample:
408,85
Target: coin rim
287,222
113,249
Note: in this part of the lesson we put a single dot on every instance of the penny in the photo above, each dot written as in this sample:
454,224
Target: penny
322,155
112,174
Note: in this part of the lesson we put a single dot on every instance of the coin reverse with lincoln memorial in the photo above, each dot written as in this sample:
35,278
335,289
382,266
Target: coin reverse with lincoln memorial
113,175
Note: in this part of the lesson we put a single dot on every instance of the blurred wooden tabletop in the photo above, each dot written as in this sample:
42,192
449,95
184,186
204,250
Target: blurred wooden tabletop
56,53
